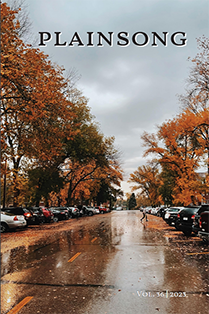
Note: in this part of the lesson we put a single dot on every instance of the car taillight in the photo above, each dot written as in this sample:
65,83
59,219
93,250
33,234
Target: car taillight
200,222
15,218
193,217
27,214
178,215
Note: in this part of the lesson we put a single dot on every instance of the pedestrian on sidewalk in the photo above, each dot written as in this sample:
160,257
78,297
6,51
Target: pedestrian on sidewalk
144,215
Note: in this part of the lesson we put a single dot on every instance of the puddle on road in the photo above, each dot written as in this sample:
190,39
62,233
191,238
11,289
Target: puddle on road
23,257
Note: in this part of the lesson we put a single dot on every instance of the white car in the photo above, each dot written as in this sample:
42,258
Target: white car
97,211
154,211
11,221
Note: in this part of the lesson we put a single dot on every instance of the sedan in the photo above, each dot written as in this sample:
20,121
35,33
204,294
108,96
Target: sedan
73,212
171,215
11,221
185,219
59,214
89,211
104,210
30,219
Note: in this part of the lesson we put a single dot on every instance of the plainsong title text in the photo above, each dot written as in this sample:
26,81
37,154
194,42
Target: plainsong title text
122,39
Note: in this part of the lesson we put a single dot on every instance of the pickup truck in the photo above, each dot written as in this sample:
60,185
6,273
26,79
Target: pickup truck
204,225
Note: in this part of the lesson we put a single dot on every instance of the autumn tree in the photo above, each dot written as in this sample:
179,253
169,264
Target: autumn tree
41,182
47,129
22,16
168,178
196,99
147,180
142,200
100,164
175,147
36,115
182,143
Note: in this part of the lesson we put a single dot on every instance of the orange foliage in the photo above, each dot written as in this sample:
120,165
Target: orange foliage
148,181
36,114
182,151
82,181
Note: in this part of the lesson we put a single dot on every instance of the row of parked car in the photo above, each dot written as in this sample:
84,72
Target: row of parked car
17,217
191,219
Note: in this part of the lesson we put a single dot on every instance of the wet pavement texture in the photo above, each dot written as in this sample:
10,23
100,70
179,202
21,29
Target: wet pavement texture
105,264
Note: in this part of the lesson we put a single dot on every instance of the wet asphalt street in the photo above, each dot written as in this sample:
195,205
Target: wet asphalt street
105,264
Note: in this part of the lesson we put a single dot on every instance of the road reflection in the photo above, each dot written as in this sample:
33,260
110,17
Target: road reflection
108,266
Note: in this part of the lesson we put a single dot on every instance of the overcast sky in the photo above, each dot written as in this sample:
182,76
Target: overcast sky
130,89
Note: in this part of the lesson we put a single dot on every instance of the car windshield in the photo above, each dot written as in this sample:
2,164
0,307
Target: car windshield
174,209
16,211
189,210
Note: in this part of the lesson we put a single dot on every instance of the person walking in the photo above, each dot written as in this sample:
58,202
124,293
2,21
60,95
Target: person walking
144,215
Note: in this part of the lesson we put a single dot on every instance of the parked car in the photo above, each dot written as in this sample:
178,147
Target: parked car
29,217
89,211
171,214
38,215
59,213
48,215
204,226
154,210
196,227
66,210
161,212
104,210
96,210
73,212
11,221
185,220
148,210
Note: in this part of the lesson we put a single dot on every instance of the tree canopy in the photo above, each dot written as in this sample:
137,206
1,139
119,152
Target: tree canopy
48,134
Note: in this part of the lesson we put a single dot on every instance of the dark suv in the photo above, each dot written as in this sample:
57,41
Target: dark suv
204,226
196,225
185,219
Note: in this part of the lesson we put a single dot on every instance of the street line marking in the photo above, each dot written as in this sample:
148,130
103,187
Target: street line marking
197,253
93,240
18,307
194,239
74,257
